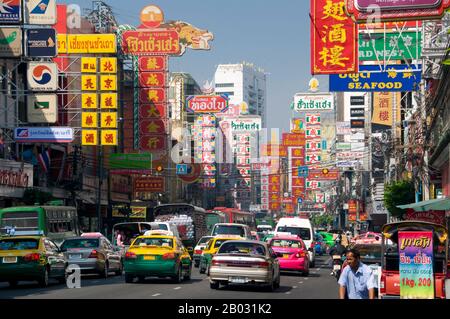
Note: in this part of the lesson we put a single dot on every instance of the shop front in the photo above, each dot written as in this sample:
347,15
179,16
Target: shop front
15,178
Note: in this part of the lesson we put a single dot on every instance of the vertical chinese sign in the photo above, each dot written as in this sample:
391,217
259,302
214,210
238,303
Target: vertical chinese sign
334,38
205,148
416,265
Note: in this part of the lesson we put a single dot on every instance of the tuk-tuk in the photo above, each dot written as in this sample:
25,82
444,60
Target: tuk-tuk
390,262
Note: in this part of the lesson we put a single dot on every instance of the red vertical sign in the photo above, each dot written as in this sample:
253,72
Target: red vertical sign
334,38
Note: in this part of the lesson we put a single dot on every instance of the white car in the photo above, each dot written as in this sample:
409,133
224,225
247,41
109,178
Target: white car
201,245
245,262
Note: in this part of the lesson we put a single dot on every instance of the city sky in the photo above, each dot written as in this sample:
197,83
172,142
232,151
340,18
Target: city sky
274,35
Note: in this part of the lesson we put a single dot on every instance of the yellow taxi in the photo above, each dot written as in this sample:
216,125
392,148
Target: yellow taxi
157,254
212,248
29,258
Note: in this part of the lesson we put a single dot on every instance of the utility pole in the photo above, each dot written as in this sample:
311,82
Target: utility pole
100,184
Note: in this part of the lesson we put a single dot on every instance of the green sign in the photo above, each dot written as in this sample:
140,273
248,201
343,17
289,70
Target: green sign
130,161
390,47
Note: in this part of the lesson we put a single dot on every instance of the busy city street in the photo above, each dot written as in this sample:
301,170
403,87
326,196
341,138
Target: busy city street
318,285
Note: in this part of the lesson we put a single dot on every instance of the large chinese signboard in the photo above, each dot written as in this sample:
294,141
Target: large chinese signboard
149,184
156,42
383,108
416,265
334,45
390,46
396,10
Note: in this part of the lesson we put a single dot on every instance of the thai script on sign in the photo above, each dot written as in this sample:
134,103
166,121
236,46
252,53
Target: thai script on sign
14,179
151,42
87,43
422,242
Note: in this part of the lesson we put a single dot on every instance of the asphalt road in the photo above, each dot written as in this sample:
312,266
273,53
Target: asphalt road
318,285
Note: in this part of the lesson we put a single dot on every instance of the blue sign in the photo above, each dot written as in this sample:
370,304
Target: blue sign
41,43
300,200
182,169
396,78
10,11
303,171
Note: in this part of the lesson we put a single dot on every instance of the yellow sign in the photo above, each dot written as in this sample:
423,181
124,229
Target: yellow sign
89,137
86,43
109,138
383,103
89,83
89,101
108,101
108,82
109,120
89,120
108,65
88,65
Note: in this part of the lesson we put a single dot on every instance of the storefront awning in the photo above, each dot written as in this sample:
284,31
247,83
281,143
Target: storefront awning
441,204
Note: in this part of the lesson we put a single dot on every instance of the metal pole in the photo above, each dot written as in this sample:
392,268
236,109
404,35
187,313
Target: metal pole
100,184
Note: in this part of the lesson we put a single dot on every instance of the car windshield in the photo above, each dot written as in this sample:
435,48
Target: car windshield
229,230
80,243
219,242
155,242
304,233
285,243
203,241
19,244
242,248
162,227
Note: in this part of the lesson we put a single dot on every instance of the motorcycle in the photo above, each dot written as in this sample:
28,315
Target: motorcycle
337,265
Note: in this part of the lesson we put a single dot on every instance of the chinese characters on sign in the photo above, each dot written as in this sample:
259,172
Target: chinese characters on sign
334,46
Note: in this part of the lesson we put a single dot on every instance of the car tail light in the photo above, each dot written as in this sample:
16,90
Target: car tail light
313,244
32,257
301,254
130,255
168,256
218,262
198,252
94,254
261,264
383,284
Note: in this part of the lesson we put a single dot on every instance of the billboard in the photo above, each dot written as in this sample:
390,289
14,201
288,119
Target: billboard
44,134
207,104
390,46
130,161
42,76
149,184
41,43
396,10
334,45
304,102
42,108
40,12
10,11
87,43
142,42
396,78
10,42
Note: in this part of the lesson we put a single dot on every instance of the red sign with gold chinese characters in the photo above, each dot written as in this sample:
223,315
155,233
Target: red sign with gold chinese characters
155,95
334,38
152,64
153,143
152,111
152,126
152,79
158,42
149,184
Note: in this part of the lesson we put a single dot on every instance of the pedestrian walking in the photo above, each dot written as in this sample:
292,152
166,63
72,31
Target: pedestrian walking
357,280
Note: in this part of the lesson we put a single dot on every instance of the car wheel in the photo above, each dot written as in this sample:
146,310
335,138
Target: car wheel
105,272
305,273
277,283
202,269
63,280
12,283
207,270
129,278
43,281
120,270
214,285
179,276
188,275
141,279
312,264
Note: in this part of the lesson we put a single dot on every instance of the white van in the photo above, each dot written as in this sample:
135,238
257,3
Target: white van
302,228
232,229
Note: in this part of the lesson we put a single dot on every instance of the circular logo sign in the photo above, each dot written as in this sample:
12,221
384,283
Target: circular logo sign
152,16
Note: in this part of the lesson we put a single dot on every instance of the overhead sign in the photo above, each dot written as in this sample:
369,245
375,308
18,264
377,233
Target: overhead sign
42,76
390,46
304,102
10,42
149,184
42,108
334,47
357,112
87,43
245,124
396,10
303,171
182,169
415,249
399,78
360,123
151,42
131,161
41,43
40,12
293,139
357,100
44,134
207,104
10,11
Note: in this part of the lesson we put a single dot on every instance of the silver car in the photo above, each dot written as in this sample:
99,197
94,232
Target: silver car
93,255
245,262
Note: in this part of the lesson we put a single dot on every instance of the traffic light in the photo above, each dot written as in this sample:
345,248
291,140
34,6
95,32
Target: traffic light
325,171
159,168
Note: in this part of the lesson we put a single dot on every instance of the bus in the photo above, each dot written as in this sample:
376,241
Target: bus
214,217
237,216
190,221
56,222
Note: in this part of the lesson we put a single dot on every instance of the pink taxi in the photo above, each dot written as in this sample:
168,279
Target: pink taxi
292,253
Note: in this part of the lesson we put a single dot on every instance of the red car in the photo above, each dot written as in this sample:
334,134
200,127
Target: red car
292,253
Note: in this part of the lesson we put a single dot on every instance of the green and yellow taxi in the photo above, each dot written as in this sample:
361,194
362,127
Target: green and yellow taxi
212,248
30,258
157,255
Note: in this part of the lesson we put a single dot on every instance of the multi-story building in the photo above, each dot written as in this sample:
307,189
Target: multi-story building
243,82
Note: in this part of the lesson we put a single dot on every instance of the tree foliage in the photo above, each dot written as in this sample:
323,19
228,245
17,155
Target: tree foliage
322,220
399,193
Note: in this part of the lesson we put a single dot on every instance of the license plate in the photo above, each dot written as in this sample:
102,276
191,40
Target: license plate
286,256
237,280
74,256
9,260
336,267
149,258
